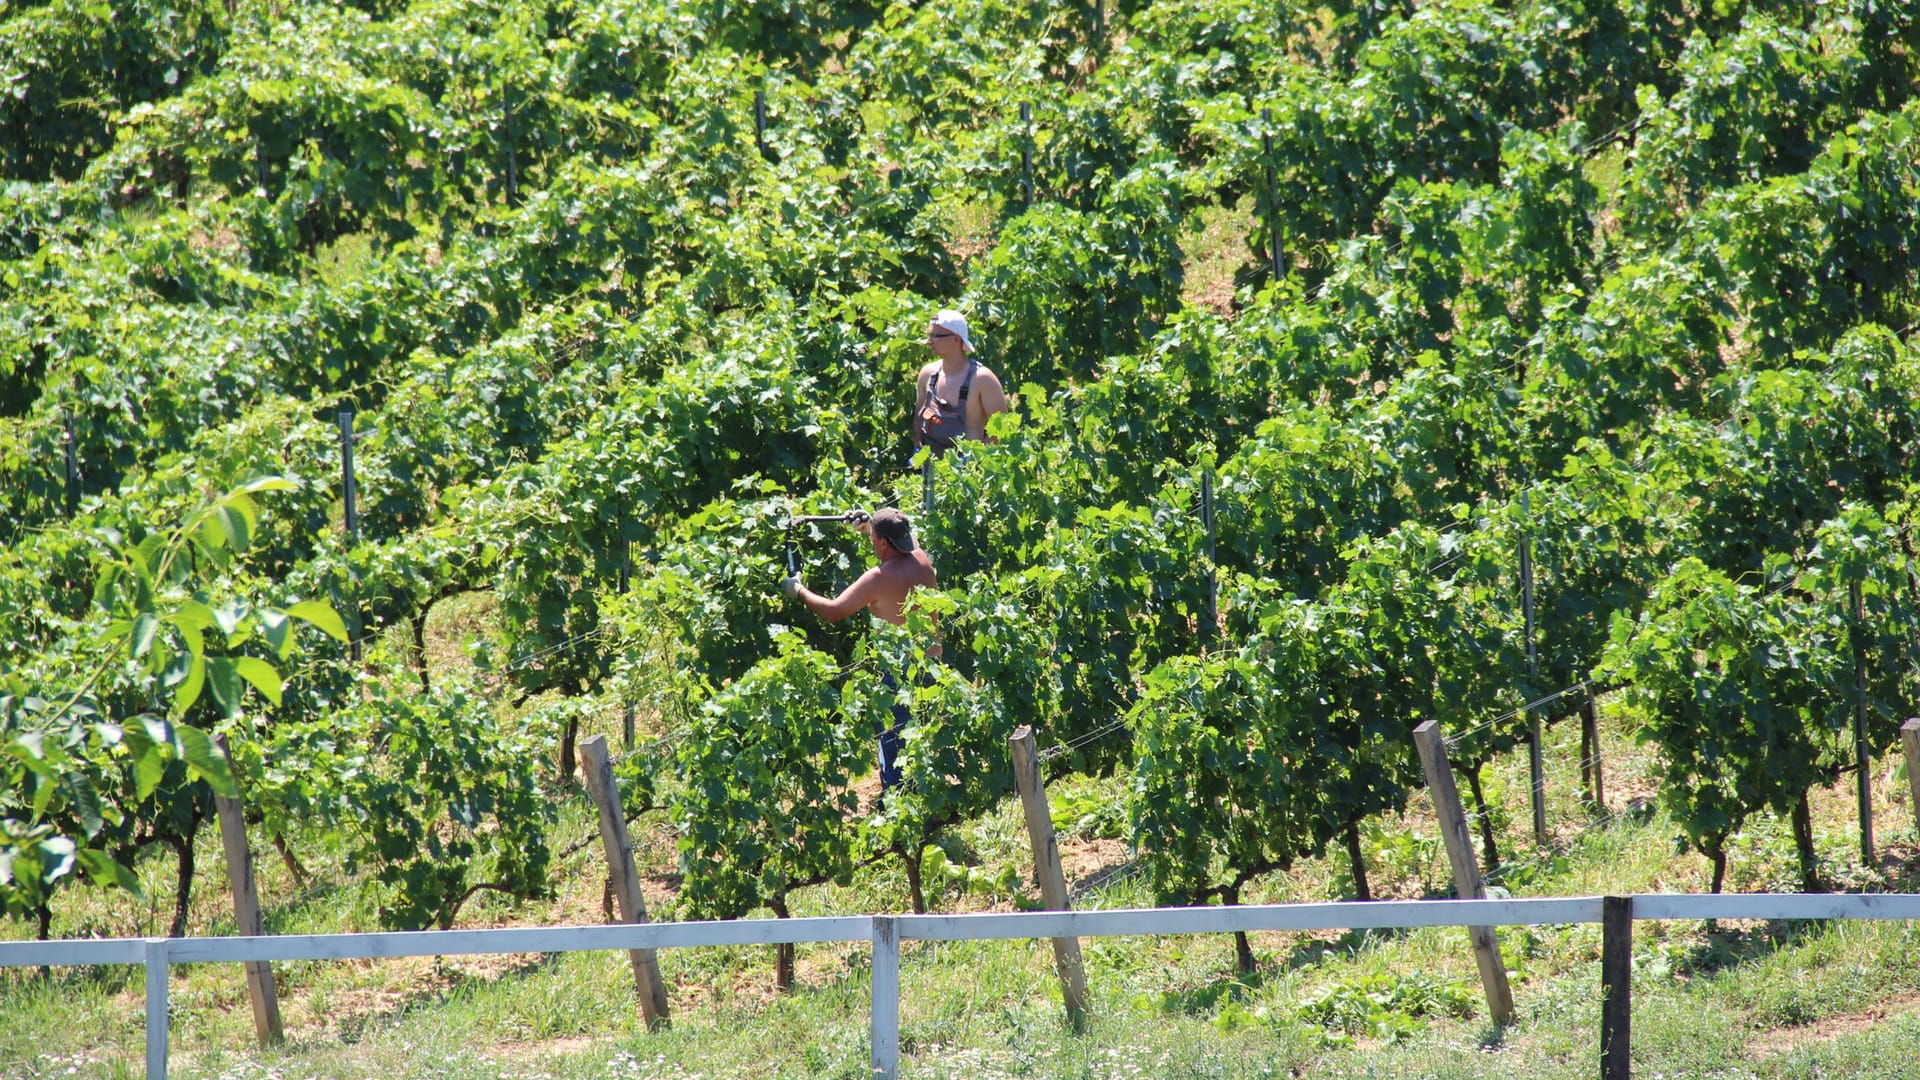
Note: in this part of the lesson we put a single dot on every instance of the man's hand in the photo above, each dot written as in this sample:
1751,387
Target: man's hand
790,585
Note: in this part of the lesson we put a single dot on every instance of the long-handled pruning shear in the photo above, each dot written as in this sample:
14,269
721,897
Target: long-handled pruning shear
848,517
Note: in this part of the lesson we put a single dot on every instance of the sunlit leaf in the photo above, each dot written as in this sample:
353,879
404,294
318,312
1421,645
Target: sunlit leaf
223,678
320,614
101,867
279,631
144,627
262,676
205,760
189,690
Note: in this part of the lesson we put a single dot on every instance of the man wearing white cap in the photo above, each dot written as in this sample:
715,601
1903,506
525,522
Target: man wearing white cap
956,394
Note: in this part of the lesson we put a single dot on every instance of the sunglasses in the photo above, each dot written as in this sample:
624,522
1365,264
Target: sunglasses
936,335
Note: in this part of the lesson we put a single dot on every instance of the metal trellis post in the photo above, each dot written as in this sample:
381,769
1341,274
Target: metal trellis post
72,453
760,123
352,520
1026,152
1536,768
1272,190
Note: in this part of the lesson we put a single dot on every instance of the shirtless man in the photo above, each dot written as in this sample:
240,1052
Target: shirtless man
953,395
903,566
881,590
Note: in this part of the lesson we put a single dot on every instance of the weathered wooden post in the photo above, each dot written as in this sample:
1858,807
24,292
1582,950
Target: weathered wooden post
1046,869
1466,871
626,880
246,912
884,1021
156,961
1616,987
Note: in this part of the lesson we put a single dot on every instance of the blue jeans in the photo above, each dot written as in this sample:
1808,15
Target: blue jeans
890,740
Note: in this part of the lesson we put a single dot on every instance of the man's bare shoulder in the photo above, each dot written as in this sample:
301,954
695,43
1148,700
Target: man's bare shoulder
904,569
915,569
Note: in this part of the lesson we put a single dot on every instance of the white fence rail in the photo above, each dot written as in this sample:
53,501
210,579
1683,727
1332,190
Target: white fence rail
885,932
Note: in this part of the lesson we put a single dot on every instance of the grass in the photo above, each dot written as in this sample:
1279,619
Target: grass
1759,1000
1606,168
971,228
1811,1000
1217,255
342,261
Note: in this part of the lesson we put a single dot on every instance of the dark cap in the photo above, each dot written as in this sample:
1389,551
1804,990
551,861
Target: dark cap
892,526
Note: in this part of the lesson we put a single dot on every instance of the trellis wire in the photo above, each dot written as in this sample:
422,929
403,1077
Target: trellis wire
559,646
1460,738
1063,749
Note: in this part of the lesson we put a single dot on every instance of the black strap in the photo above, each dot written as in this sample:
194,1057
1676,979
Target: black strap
966,384
920,411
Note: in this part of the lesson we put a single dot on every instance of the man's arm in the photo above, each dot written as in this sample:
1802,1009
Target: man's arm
992,398
856,596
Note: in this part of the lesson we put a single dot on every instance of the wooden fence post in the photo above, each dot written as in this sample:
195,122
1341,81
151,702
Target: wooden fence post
1466,871
1910,739
156,950
246,912
1046,869
1616,987
883,1023
626,880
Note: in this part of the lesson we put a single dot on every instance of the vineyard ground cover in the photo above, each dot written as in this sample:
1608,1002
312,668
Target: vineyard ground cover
1216,255
971,229
1766,1000
345,258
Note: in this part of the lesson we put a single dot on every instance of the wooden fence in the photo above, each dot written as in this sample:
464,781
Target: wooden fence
886,932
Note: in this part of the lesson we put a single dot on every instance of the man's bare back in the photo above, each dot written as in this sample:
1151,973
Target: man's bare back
883,589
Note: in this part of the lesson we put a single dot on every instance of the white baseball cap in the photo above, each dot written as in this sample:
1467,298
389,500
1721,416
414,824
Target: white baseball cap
956,324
